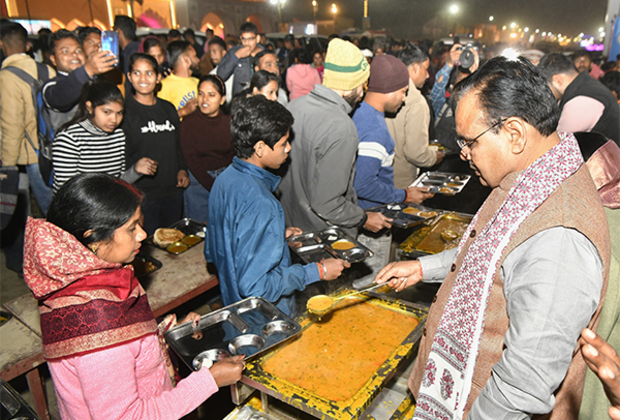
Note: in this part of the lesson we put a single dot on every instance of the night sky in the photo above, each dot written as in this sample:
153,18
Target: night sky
404,18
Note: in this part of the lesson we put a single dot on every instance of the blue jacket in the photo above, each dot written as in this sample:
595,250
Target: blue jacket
374,178
246,239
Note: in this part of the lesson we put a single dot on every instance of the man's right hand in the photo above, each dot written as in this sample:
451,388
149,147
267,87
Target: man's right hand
416,195
243,52
400,275
334,267
440,156
455,54
100,62
376,221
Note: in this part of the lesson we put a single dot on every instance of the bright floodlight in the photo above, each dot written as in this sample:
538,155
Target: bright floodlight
526,29
454,9
537,30
273,1
491,18
314,3
504,28
602,34
334,8
601,29
510,53
544,34
513,25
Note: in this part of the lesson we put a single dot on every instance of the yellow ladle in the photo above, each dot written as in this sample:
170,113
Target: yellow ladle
320,305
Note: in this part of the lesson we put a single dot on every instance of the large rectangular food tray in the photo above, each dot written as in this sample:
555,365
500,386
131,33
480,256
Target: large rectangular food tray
144,264
351,408
406,215
244,328
317,246
434,238
190,228
446,183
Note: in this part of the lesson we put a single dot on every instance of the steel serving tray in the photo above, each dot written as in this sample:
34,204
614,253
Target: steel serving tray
406,215
317,246
432,239
190,228
244,328
446,183
144,264
308,400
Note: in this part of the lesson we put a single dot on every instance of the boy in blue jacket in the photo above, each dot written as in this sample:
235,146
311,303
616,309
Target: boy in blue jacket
246,238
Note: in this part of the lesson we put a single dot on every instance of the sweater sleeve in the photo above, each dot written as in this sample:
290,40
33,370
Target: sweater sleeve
65,158
177,140
227,66
63,92
371,156
110,385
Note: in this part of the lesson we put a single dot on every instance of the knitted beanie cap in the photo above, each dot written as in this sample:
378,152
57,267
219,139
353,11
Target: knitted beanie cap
345,66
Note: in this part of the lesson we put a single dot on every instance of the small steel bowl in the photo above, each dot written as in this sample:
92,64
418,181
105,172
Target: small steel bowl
246,340
209,357
275,327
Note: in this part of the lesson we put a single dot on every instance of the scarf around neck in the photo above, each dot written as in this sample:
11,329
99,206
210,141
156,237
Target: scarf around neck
86,304
448,375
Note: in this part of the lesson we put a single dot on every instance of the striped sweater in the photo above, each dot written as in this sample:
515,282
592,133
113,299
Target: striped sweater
83,147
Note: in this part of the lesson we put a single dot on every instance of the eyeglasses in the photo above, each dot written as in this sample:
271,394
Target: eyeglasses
463,143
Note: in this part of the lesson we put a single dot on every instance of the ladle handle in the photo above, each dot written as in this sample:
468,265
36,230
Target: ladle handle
365,289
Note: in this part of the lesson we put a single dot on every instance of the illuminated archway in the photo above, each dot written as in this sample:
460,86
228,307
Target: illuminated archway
56,24
98,24
74,24
256,21
213,21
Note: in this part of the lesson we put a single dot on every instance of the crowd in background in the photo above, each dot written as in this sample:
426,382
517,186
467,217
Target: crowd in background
198,125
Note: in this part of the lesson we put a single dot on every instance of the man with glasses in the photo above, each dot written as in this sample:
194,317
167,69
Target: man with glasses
530,271
238,60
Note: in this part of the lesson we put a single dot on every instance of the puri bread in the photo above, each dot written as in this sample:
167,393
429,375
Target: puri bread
166,236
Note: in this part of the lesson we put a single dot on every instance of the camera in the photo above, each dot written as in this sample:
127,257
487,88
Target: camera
467,58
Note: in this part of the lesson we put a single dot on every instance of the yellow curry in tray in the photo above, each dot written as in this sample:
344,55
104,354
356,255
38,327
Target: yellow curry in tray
335,358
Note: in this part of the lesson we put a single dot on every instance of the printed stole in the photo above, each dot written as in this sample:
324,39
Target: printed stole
448,375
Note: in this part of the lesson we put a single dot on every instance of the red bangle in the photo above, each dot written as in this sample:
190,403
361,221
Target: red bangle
320,267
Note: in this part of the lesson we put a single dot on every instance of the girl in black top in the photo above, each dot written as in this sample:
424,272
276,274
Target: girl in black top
152,126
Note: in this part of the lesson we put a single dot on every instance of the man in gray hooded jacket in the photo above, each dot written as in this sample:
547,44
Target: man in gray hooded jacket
316,191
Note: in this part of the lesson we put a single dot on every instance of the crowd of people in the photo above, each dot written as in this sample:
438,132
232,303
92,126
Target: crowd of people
263,142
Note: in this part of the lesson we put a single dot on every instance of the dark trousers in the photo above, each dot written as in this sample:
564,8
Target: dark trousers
162,211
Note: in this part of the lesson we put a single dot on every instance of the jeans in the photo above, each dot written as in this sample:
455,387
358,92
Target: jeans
196,198
42,193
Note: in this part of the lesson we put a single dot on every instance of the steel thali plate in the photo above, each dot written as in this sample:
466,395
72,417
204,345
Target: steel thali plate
247,328
194,232
329,243
446,183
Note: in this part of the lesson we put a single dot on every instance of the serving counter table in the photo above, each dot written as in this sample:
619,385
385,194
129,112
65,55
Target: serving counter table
181,278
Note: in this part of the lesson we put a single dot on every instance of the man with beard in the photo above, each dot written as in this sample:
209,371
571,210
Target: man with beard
179,88
317,187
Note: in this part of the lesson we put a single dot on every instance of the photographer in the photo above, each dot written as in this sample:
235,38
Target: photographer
438,93
445,125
